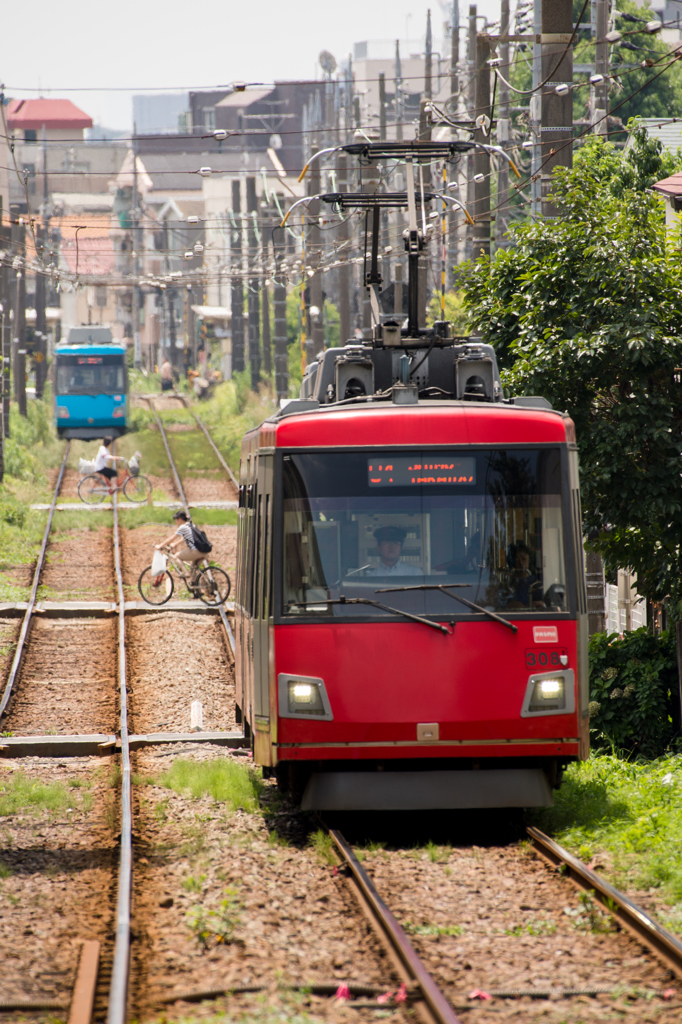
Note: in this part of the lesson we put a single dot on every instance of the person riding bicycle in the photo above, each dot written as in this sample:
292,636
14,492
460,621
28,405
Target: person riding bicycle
181,543
102,460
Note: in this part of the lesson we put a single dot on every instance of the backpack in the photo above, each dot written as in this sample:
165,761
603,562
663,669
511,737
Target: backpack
201,541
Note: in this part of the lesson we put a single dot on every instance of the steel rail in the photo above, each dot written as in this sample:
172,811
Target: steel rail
214,446
118,992
641,925
183,499
435,1005
23,633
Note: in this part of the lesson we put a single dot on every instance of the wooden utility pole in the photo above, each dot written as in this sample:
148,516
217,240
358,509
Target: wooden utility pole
502,210
481,205
253,284
237,282
5,335
557,108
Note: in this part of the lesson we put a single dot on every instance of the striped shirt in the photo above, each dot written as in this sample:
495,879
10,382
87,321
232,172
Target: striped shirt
185,531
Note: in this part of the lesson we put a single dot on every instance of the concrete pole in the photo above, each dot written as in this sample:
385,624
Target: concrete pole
502,211
344,270
557,110
253,286
238,362
480,210
471,107
19,322
315,332
600,92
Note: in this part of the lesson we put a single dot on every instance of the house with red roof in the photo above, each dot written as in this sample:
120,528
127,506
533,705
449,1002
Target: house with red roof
62,120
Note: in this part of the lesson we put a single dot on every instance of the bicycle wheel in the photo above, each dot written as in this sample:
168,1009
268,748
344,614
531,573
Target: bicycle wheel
93,490
214,586
155,589
137,488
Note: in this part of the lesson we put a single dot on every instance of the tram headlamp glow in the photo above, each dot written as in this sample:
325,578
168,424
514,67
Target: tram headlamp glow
551,687
62,412
303,693
303,697
548,694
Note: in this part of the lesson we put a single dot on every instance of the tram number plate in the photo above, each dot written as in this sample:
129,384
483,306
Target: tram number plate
546,659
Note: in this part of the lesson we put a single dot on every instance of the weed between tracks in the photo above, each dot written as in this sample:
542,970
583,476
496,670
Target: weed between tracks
236,785
624,817
20,793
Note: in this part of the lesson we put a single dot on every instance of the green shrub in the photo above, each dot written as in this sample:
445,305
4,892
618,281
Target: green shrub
634,700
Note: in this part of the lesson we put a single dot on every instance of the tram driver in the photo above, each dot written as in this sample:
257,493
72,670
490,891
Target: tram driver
390,541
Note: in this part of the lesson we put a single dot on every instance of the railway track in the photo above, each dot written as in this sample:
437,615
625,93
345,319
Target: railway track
432,1001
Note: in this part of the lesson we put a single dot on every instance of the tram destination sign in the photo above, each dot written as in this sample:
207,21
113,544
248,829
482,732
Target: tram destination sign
406,471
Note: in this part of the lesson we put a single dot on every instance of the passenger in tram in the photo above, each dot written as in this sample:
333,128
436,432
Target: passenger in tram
390,541
527,586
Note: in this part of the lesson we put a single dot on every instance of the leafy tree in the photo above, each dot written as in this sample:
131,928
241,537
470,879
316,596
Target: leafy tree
587,310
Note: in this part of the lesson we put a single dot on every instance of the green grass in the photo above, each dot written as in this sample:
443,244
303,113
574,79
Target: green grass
233,784
262,1008
323,845
630,813
20,793
432,930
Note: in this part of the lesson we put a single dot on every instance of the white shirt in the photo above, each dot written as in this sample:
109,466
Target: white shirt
399,569
102,458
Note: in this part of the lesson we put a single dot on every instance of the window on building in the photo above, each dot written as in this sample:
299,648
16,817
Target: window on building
209,117
30,135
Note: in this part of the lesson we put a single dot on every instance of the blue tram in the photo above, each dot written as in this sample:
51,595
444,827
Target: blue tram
90,386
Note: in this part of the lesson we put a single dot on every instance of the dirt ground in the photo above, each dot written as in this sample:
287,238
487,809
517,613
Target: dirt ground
138,550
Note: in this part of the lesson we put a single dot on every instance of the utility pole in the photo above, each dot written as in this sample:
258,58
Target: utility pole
265,316
237,283
5,334
428,58
600,91
344,271
253,283
481,205
280,325
454,54
42,235
315,334
471,106
535,112
19,321
382,105
135,305
398,103
502,211
557,108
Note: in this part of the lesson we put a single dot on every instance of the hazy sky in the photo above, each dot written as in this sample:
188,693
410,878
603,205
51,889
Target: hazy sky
50,47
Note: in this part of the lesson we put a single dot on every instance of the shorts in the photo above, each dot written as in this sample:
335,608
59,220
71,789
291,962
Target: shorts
108,473
166,385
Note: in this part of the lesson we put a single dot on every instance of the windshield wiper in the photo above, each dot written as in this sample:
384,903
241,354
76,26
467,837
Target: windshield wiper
456,597
377,604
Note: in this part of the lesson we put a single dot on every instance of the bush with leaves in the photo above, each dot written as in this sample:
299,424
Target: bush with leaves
634,697
587,311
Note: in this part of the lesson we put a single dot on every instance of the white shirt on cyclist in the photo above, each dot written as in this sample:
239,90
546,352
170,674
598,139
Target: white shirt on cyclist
185,531
102,459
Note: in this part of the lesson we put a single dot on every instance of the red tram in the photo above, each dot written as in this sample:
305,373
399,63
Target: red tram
411,613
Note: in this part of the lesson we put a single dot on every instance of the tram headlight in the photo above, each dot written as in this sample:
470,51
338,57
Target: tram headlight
62,412
303,697
549,693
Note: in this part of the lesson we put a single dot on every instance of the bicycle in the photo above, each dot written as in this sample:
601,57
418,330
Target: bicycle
211,584
93,488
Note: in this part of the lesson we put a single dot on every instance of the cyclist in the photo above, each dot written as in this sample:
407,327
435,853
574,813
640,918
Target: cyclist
181,543
102,460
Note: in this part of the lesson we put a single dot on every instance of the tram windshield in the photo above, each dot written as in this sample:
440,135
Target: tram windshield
485,523
90,375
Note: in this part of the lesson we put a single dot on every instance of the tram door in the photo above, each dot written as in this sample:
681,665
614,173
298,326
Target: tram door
261,608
